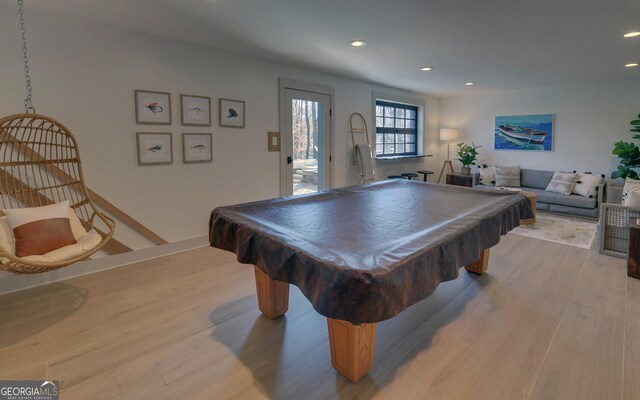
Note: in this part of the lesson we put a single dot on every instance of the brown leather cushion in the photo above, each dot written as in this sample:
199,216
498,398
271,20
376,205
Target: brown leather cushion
43,236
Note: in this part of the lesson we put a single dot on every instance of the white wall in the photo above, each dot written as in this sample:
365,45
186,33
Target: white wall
84,75
588,120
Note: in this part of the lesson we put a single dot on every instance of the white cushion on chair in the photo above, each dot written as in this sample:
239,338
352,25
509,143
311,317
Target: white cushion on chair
633,199
7,242
630,185
76,226
86,241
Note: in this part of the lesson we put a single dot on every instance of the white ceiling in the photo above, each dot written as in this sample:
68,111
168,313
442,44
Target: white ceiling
500,44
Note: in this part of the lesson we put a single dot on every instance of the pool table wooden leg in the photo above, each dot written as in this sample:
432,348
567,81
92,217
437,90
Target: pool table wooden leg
273,296
479,267
352,347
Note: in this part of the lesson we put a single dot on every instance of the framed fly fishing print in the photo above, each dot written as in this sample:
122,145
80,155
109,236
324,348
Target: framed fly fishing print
197,147
231,113
155,148
524,132
152,108
196,110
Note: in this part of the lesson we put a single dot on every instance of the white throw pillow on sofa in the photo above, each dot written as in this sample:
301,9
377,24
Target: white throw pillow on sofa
630,185
587,185
487,175
562,182
508,176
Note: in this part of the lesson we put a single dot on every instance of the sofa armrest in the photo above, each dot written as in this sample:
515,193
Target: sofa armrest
617,214
601,192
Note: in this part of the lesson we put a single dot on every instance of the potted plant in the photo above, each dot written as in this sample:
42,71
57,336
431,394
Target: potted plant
629,154
467,155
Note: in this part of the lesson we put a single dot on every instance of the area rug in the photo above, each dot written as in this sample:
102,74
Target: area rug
567,231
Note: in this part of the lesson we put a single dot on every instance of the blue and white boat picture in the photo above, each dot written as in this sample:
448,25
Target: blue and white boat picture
524,132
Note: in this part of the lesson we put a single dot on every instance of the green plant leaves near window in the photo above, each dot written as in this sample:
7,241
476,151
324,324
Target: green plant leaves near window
629,155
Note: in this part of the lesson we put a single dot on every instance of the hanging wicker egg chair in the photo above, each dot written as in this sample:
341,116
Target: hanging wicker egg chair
40,165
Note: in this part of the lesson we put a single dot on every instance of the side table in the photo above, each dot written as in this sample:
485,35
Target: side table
460,180
633,256
533,200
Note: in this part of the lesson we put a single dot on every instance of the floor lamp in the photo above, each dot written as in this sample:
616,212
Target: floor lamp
448,135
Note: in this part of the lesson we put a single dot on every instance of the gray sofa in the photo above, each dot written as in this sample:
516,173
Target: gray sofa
536,181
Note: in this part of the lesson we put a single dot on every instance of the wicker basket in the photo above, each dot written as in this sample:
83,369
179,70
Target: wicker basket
533,200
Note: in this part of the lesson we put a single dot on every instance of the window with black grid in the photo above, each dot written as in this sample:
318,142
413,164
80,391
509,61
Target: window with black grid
396,129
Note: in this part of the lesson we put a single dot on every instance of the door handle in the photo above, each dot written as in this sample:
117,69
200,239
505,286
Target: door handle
289,160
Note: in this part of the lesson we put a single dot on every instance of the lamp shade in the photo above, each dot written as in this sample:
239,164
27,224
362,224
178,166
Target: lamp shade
448,134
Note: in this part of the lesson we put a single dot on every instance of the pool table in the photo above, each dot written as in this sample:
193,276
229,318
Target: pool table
363,254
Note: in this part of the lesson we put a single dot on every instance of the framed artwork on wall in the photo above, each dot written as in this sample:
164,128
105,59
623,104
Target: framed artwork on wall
196,110
524,132
232,113
152,108
197,147
155,148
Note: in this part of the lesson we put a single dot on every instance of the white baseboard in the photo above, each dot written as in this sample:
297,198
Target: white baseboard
14,282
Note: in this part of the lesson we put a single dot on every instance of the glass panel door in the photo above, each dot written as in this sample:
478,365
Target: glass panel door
306,118
306,142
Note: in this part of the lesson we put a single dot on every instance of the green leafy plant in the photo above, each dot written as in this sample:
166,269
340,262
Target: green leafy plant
467,153
629,154
635,127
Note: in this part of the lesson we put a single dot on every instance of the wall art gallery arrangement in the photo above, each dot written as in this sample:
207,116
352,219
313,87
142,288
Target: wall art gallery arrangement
154,108
155,148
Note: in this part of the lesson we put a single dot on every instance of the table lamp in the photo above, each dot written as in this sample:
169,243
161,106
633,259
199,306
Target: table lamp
448,135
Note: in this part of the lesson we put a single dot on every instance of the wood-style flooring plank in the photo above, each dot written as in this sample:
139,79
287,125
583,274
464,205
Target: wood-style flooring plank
547,321
585,360
632,341
602,284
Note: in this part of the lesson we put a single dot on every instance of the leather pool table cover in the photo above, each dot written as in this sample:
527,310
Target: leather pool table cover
365,253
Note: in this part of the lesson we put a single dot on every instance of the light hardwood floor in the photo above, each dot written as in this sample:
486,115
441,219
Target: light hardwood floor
547,321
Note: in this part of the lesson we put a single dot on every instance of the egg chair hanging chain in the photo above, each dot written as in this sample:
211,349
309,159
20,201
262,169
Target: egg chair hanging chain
28,104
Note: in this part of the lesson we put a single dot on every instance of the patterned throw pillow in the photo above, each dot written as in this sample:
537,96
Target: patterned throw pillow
630,185
487,175
587,184
39,230
508,176
562,182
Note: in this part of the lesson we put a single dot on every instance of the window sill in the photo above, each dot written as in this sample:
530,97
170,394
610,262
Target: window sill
384,158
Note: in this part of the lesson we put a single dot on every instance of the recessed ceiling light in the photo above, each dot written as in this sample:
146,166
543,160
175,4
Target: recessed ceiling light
470,83
631,65
357,43
427,68
632,34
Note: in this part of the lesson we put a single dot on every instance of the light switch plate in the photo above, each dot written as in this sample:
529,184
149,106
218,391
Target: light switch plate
274,141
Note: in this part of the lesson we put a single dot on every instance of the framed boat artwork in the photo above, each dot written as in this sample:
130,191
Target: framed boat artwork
524,132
